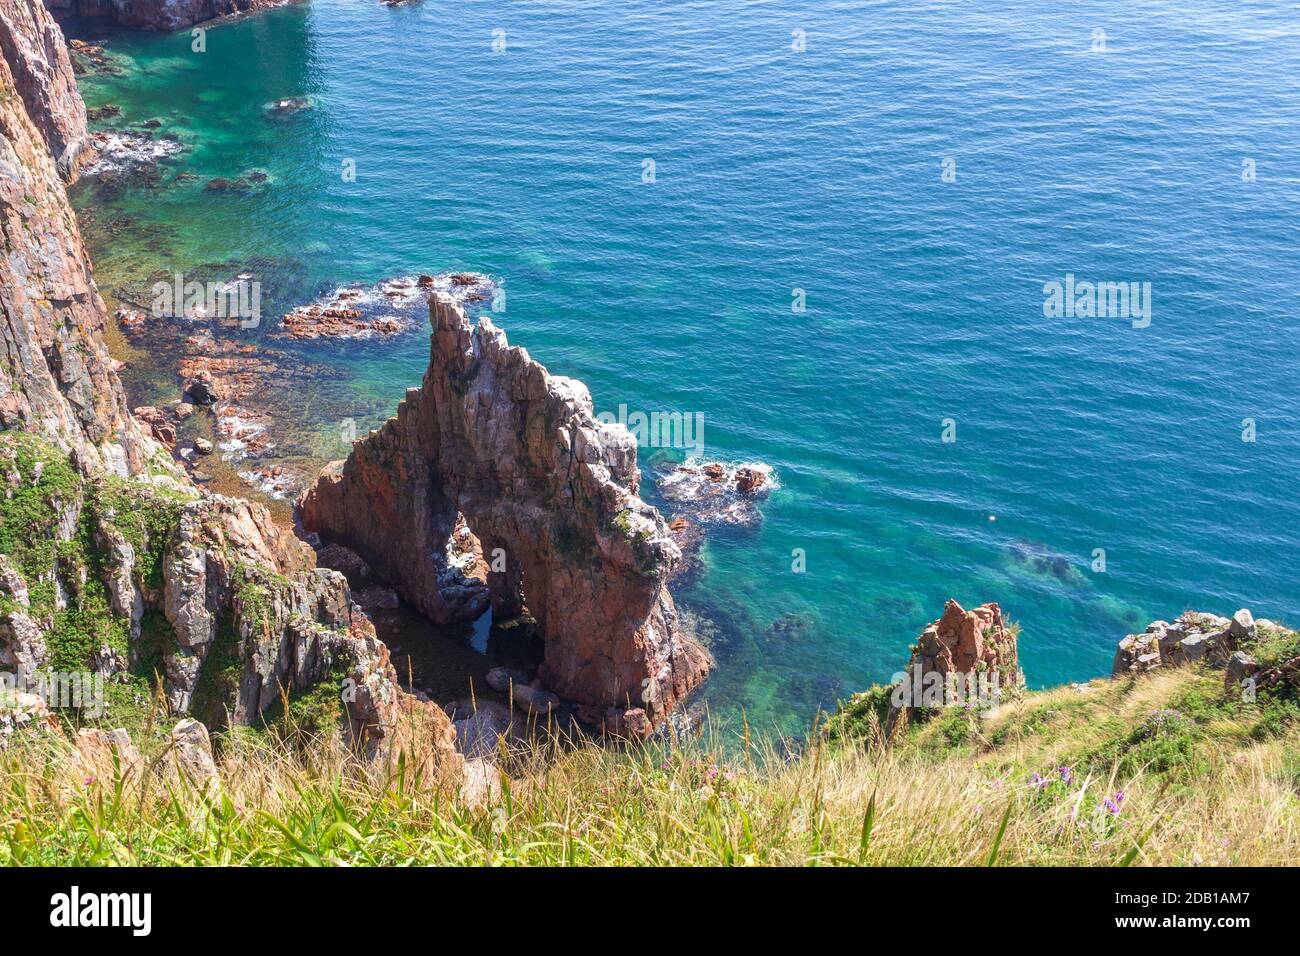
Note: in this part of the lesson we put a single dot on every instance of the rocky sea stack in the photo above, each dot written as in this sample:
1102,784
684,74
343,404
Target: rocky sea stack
550,493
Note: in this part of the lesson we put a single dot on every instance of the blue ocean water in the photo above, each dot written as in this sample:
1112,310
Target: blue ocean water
803,146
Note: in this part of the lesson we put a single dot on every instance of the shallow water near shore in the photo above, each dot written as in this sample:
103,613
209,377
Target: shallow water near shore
778,170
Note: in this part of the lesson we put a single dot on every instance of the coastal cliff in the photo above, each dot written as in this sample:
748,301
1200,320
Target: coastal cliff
111,561
56,377
41,70
550,492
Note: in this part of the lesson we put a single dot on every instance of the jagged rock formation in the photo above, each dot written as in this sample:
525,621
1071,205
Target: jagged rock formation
1256,655
961,654
551,494
33,49
159,14
1193,636
967,659
968,642
229,578
110,560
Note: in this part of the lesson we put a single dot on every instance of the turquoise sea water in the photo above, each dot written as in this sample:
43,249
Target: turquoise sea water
778,169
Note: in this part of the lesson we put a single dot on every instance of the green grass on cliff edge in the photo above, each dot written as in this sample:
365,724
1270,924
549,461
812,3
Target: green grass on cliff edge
1167,768
48,519
1159,770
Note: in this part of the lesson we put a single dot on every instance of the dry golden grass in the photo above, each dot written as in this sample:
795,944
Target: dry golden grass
1204,786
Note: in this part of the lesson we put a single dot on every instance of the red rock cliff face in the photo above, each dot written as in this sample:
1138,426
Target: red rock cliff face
56,376
159,14
550,492
33,49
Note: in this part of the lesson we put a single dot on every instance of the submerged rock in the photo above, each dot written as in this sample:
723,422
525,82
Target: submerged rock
199,391
273,481
119,153
86,57
289,105
237,184
689,537
1041,559
129,318
221,185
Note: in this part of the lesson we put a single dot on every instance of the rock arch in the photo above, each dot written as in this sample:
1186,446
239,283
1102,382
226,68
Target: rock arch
492,436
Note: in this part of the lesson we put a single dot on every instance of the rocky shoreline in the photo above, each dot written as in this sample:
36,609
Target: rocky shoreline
492,458
618,625
967,661
232,379
245,379
220,410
